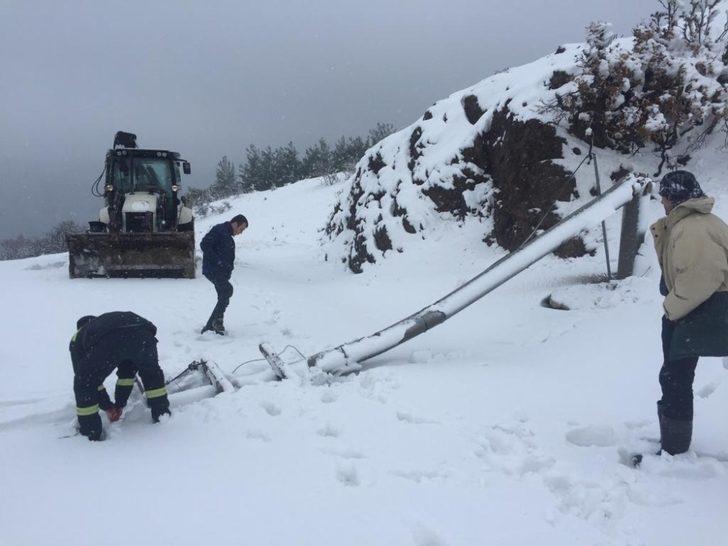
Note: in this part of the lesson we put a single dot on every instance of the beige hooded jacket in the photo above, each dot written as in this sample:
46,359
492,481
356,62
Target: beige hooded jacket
692,247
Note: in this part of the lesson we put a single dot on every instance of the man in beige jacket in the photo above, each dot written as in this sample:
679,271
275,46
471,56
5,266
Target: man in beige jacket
692,247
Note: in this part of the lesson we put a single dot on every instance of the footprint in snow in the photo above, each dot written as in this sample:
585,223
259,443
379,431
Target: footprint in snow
328,397
409,418
592,436
636,425
329,431
708,389
348,475
423,536
418,476
274,319
513,451
257,435
349,454
270,408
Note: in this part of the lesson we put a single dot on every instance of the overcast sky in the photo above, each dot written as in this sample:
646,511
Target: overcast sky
209,78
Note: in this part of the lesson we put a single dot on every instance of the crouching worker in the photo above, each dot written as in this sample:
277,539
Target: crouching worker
118,340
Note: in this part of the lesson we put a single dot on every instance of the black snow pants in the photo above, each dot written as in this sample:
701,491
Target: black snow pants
130,351
224,292
676,380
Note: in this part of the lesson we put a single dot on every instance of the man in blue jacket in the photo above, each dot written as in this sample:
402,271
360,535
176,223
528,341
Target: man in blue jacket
218,257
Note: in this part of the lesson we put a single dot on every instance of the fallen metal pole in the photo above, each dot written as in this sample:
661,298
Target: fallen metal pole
347,357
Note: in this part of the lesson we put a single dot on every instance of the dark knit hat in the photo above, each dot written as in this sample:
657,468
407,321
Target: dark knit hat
679,186
83,321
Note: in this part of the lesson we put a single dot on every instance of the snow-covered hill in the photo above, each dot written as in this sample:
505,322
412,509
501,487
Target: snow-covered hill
506,153
502,426
437,169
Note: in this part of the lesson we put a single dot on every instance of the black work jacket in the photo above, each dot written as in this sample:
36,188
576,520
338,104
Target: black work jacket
116,321
218,252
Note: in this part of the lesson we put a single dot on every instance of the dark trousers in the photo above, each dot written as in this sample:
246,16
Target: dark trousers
224,292
676,380
131,351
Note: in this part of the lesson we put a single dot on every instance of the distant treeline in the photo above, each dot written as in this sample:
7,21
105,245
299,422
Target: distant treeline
268,168
52,242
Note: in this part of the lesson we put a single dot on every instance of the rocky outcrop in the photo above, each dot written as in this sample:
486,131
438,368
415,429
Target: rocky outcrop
481,153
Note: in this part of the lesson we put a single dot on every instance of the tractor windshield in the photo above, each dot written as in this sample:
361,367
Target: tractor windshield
148,174
152,173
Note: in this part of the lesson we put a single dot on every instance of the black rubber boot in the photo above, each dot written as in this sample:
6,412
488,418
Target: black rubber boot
218,327
675,435
159,406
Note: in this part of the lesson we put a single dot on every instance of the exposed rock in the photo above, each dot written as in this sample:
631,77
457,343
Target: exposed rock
559,78
414,151
382,239
482,153
527,182
472,108
376,163
619,174
573,248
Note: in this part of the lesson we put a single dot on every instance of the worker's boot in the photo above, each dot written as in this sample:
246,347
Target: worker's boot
90,426
218,327
209,327
159,406
675,435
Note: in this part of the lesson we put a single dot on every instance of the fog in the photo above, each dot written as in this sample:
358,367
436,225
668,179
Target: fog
207,79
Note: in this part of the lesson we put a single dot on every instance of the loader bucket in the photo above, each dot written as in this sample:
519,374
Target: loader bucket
169,255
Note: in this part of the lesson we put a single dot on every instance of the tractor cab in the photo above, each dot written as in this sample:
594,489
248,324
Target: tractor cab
139,182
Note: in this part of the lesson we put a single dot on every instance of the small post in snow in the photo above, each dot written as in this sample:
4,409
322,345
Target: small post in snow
633,232
593,157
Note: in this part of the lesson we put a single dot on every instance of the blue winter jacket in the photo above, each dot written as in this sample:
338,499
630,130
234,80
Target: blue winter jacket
218,252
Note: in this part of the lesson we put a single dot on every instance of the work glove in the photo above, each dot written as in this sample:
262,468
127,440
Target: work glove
114,413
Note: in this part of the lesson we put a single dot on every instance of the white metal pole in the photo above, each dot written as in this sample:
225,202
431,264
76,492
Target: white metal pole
346,357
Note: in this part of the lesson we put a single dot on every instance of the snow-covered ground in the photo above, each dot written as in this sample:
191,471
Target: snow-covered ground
503,426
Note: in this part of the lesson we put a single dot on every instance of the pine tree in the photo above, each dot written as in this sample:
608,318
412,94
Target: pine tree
287,165
250,171
225,183
356,148
267,170
380,132
317,160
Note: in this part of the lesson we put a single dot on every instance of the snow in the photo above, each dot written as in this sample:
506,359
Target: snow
506,425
